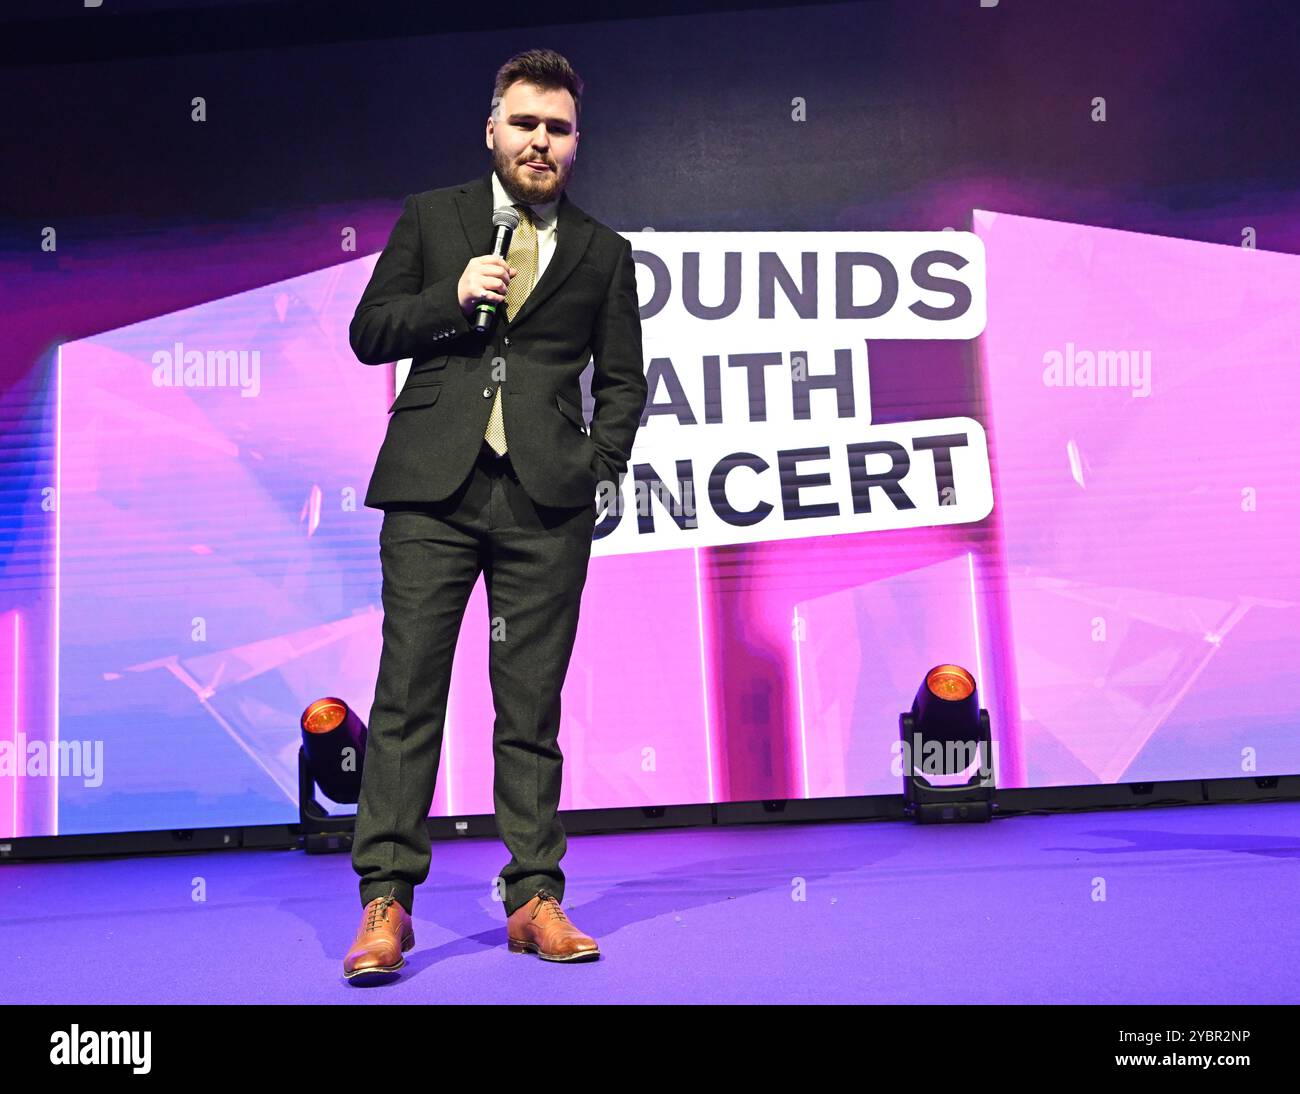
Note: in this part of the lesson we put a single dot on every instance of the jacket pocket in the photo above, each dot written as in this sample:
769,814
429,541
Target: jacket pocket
418,395
427,372
571,412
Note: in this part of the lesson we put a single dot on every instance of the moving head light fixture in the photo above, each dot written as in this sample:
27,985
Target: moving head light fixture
331,757
943,734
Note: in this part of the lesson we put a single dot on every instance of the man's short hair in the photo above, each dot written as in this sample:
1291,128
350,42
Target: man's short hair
543,67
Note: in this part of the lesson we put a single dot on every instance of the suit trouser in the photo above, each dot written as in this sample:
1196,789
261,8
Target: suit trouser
534,561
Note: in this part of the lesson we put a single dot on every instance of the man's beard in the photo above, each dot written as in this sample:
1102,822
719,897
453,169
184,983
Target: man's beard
528,190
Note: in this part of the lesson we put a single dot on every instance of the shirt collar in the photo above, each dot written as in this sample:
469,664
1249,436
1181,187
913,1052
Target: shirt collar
544,212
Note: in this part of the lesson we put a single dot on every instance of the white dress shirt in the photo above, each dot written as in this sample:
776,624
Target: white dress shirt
544,215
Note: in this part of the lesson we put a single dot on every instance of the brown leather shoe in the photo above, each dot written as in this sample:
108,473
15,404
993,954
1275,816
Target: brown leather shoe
385,933
541,927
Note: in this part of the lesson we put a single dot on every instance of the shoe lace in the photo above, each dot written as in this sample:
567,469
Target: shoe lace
546,898
379,909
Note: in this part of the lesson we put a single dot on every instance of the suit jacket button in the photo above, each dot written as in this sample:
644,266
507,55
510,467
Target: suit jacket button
487,393
507,341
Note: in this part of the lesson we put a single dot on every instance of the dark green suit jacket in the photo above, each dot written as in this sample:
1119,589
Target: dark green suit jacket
583,308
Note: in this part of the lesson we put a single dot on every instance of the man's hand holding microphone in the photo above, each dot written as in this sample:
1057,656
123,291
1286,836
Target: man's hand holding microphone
485,279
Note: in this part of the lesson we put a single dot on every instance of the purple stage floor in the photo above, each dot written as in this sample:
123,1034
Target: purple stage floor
1201,906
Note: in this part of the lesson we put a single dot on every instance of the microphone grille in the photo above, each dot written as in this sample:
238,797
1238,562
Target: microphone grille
505,217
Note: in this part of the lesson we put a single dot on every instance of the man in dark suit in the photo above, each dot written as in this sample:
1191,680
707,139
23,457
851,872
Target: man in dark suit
487,467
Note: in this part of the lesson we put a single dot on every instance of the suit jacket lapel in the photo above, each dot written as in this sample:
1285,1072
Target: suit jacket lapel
474,203
573,233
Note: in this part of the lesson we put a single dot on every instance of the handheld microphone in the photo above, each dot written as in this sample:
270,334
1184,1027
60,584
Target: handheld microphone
504,222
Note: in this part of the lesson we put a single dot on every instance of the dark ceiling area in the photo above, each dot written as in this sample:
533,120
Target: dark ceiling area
44,32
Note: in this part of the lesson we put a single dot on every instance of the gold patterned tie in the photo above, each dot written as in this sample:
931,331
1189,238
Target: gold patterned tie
523,257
